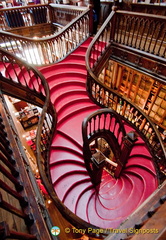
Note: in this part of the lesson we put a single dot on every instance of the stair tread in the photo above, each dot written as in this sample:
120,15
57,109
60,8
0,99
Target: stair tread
65,168
73,125
141,161
81,210
59,155
72,106
61,140
68,181
60,99
75,194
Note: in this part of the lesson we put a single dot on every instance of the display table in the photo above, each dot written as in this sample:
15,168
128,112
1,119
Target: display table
28,117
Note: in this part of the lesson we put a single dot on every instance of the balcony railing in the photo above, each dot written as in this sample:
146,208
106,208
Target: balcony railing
48,50
26,16
142,32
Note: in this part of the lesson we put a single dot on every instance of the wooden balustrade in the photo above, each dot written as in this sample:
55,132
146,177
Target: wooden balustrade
125,31
62,14
48,50
106,124
29,82
21,216
110,98
143,32
26,16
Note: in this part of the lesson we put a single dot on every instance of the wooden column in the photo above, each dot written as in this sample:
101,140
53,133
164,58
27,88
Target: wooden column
128,143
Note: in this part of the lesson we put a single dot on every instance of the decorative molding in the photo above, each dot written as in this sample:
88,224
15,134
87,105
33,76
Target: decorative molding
157,69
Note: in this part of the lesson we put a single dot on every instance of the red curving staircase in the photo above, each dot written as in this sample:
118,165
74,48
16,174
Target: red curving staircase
115,198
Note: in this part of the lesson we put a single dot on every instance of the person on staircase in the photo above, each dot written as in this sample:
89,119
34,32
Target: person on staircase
96,15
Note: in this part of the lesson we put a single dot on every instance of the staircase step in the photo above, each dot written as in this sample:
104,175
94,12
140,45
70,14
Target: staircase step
116,195
140,148
66,96
141,161
70,76
82,205
67,181
149,185
61,68
79,59
72,124
120,208
59,170
59,88
96,220
76,193
73,107
61,139
60,154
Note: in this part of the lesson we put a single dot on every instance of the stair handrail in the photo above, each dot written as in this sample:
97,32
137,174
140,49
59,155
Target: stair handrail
112,33
10,79
29,84
27,18
97,55
48,120
48,50
104,123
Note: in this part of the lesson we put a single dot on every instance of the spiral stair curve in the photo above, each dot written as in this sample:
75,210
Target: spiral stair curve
114,199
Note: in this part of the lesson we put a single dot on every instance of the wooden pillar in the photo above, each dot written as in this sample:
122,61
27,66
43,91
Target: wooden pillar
90,5
128,143
98,161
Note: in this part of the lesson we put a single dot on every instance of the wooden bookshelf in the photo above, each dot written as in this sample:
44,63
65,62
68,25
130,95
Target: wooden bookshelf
145,92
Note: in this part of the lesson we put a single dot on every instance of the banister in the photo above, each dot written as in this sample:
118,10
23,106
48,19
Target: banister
97,56
68,7
48,50
48,119
30,221
22,16
104,123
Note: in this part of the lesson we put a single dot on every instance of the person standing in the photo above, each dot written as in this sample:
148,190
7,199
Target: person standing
96,14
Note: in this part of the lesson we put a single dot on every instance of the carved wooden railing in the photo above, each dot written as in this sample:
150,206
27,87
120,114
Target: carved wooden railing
25,16
143,32
21,80
119,29
23,215
48,50
107,124
64,14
